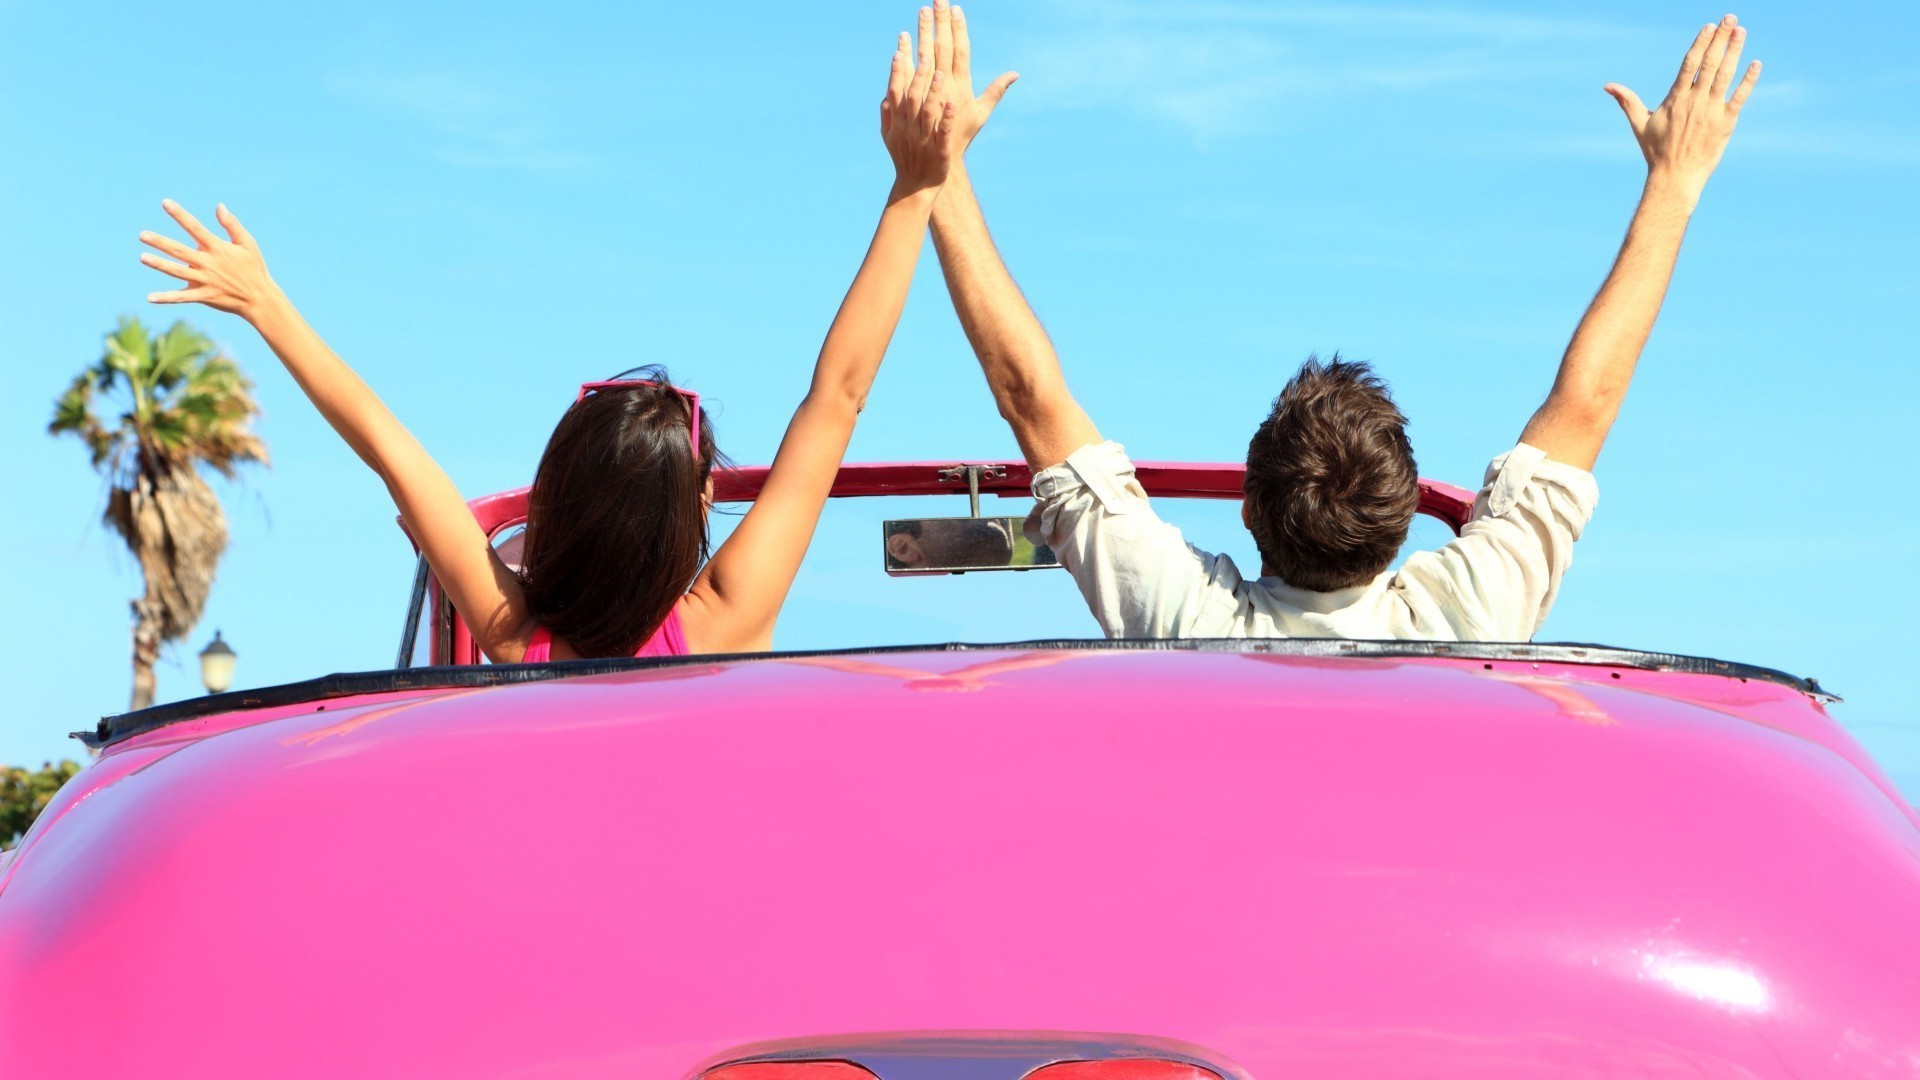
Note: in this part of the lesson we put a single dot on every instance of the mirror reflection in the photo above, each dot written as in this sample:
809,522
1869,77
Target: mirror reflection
961,545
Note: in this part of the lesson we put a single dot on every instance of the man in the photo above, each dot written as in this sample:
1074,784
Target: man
1331,486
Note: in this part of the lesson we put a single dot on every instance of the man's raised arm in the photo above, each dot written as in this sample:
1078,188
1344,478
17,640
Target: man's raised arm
1683,140
1015,353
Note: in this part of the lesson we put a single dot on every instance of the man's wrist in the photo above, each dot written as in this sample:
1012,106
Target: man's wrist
1666,189
956,204
956,180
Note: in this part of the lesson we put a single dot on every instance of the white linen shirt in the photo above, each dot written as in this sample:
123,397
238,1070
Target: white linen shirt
1495,582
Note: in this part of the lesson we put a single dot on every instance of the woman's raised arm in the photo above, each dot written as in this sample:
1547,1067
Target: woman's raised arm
230,275
737,597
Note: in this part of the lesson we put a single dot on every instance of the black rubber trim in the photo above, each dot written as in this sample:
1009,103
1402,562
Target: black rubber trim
113,729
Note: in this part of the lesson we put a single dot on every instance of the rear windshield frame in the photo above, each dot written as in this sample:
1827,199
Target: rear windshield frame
122,726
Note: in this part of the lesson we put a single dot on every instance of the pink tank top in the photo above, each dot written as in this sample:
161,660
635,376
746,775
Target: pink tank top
666,641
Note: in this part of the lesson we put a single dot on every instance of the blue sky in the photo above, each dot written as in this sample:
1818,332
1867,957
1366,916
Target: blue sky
482,204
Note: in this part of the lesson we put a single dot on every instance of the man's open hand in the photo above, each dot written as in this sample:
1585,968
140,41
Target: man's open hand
1684,138
953,54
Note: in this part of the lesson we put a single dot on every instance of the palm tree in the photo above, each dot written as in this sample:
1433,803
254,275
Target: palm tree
185,405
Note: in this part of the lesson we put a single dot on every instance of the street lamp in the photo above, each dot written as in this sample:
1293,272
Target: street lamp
216,665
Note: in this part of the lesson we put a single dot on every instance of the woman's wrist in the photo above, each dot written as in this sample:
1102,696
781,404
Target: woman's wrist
270,309
913,197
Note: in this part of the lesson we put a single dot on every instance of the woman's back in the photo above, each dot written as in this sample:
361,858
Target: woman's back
669,640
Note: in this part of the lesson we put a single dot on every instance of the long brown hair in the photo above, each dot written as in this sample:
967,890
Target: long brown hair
617,516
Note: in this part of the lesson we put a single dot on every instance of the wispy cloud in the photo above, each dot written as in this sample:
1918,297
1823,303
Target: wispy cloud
473,123
1835,145
1836,121
1797,137
1235,68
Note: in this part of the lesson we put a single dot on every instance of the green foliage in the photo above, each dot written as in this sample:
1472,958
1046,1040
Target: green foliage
24,794
182,402
155,411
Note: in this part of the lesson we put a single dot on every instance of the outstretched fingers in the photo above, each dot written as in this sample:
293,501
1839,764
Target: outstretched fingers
943,36
1630,104
901,73
962,49
1729,64
923,60
1690,64
1745,89
235,231
933,104
187,221
1716,53
998,89
184,296
168,245
168,266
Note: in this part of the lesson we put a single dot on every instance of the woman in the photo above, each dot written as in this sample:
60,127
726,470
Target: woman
616,539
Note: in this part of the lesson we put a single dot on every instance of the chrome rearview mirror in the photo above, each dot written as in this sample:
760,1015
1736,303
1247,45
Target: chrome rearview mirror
961,545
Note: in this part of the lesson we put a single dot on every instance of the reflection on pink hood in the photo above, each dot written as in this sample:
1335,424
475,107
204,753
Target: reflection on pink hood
1299,867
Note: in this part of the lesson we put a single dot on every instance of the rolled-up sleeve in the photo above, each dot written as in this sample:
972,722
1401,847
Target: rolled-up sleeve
1140,577
1500,577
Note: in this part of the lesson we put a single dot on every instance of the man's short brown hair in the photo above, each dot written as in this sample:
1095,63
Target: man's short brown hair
1331,485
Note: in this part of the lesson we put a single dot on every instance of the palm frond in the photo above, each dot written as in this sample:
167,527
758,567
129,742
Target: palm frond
178,355
73,415
73,409
129,350
188,406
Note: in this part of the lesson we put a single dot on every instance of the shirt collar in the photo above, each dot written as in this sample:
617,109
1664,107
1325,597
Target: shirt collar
1324,603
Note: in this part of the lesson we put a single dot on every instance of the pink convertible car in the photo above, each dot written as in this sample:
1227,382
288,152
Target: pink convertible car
1053,860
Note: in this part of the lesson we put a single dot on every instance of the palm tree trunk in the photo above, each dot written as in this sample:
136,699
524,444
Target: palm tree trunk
146,649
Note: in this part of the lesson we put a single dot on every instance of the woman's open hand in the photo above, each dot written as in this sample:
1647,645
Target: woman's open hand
916,117
228,275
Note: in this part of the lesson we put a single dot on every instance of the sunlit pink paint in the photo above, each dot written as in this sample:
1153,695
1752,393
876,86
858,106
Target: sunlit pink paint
1309,868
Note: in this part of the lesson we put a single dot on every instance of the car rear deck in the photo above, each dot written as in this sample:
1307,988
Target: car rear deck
1316,860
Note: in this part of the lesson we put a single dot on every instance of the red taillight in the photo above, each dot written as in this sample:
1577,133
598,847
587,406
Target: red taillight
1129,1069
790,1070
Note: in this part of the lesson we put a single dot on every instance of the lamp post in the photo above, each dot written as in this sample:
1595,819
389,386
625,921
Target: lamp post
216,665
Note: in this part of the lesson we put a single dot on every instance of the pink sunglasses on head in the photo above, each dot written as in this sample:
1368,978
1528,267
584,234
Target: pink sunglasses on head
693,402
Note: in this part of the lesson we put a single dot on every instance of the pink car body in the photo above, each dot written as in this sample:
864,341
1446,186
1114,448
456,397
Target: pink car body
1064,861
